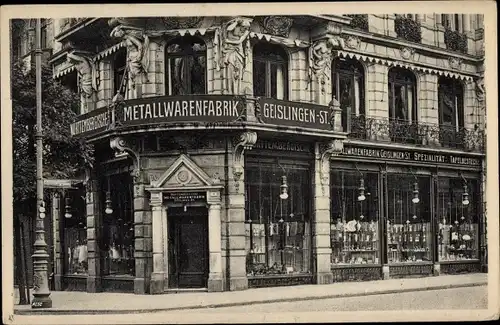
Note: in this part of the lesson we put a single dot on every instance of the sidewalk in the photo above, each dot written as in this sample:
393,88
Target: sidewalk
65,302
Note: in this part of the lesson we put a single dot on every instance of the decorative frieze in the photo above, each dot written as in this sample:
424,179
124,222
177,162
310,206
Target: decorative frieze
346,274
407,53
396,271
352,42
277,281
455,63
458,268
276,25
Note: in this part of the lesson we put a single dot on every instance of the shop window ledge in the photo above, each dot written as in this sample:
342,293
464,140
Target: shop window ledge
460,262
458,267
118,283
356,272
411,269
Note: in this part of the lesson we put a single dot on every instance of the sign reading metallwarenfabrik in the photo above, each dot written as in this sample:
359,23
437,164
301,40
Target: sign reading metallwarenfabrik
166,109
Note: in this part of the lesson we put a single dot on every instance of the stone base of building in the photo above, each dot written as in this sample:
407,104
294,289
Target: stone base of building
157,283
215,283
237,284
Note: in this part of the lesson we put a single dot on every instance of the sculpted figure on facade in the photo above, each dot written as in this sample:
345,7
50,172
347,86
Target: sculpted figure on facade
137,43
321,55
480,90
233,46
87,75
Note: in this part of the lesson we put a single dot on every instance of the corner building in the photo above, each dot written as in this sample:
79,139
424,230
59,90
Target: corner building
240,152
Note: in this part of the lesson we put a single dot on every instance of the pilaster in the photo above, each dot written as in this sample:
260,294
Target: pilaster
321,246
428,101
215,243
298,76
471,117
105,87
94,226
158,220
235,192
155,71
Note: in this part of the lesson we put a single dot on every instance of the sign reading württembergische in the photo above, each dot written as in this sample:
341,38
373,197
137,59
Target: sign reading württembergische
200,108
96,121
295,114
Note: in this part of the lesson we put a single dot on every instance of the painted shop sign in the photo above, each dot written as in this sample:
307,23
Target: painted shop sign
184,197
282,146
90,123
296,114
202,108
390,154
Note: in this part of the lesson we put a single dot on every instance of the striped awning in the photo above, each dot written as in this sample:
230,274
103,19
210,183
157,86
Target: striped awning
280,40
62,72
403,64
109,51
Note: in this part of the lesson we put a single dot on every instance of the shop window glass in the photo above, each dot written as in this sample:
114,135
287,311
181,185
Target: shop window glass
186,66
348,89
458,231
118,230
270,71
75,233
278,229
354,226
409,218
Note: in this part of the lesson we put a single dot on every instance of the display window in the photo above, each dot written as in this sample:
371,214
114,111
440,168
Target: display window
457,213
75,233
118,230
408,228
278,228
354,221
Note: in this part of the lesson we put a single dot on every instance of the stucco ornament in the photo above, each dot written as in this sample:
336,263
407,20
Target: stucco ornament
455,63
320,58
480,89
407,53
352,42
87,74
232,45
277,25
137,43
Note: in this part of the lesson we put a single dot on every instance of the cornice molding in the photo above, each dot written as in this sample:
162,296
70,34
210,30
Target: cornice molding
398,43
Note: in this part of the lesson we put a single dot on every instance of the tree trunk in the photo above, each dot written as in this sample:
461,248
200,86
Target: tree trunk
20,272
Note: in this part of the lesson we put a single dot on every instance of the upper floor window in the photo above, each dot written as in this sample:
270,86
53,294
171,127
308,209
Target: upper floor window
270,71
43,34
453,22
451,103
402,95
119,67
186,66
348,89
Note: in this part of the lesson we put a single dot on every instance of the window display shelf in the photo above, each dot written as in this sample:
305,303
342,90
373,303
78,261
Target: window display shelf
360,250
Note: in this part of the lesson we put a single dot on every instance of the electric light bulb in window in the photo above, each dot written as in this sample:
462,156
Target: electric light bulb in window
414,217
463,218
456,222
361,217
408,221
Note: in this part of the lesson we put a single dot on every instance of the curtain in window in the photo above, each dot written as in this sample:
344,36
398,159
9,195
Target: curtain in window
270,71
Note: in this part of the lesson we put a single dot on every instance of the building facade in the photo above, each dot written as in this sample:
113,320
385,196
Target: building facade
252,151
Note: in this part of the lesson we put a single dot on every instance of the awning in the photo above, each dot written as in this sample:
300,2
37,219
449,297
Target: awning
63,72
109,51
280,40
403,64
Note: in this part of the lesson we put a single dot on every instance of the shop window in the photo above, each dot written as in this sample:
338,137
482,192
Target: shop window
74,222
354,217
451,111
457,214
278,228
186,68
119,67
402,106
409,218
118,230
348,87
270,71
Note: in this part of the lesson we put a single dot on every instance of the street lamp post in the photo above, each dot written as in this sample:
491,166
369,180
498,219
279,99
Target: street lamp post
41,292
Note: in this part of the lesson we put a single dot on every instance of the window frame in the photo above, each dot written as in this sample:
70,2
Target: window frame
404,78
119,70
258,56
458,93
187,52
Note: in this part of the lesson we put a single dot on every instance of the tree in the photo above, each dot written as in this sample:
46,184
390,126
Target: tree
63,156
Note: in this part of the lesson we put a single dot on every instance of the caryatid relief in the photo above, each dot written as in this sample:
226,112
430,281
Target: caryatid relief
321,55
232,48
137,43
87,75
480,89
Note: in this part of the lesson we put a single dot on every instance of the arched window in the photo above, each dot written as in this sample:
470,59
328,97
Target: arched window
348,88
402,95
270,71
186,66
451,102
119,66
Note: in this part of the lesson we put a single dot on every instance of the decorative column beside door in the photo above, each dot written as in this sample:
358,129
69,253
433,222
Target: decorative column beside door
94,223
214,241
158,219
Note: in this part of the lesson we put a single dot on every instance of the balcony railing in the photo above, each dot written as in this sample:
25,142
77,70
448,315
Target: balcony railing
416,133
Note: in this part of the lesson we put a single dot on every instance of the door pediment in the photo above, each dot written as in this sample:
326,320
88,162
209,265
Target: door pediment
183,173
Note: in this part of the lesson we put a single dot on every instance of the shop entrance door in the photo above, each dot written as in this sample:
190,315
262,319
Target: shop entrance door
188,247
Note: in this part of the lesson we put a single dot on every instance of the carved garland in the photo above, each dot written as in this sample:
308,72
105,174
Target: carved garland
245,141
332,148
